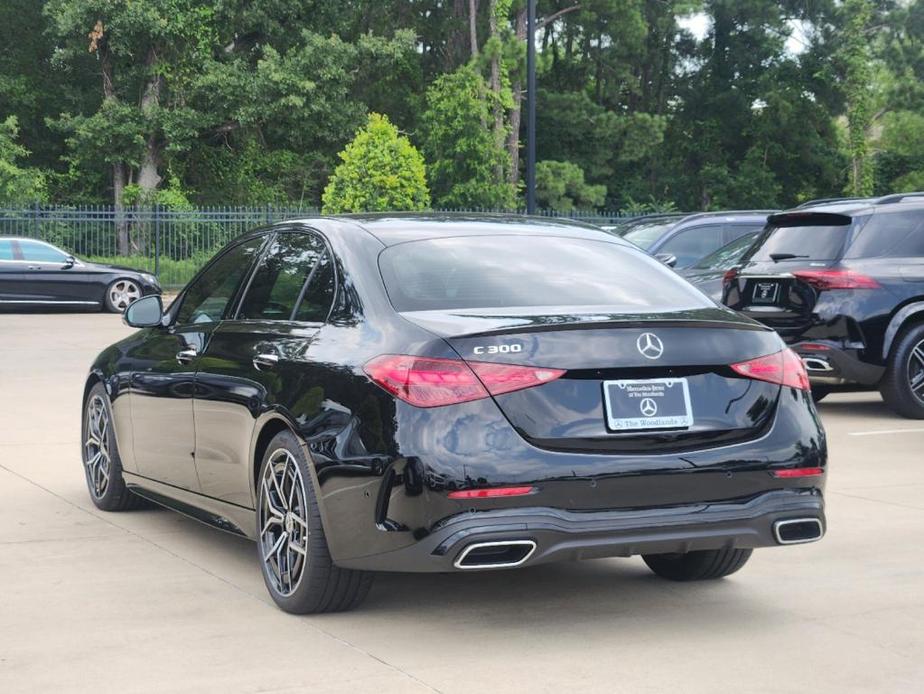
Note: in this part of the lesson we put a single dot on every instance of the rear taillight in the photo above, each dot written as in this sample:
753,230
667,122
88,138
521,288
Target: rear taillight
730,276
783,368
434,382
836,279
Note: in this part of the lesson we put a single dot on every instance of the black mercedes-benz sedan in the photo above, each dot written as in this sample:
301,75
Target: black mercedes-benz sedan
455,393
36,274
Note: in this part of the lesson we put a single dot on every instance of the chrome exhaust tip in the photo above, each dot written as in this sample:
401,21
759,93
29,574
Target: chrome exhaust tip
816,364
794,531
503,554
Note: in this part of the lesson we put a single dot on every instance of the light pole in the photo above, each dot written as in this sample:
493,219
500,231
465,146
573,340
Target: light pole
530,107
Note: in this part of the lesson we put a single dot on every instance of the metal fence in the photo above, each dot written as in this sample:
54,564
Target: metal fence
171,244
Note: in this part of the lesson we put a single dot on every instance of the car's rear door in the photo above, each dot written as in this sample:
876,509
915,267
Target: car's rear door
164,367
10,274
256,359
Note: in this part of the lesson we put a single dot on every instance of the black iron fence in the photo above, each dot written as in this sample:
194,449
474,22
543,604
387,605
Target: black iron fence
172,244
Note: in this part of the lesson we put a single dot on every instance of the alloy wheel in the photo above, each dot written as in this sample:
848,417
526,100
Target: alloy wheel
97,458
283,522
123,293
916,371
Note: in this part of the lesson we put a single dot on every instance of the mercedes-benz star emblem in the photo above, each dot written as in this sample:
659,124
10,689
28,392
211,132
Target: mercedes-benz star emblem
650,345
648,407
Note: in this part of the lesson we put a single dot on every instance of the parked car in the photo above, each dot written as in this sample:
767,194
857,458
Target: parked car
709,273
455,393
844,286
37,274
624,226
684,242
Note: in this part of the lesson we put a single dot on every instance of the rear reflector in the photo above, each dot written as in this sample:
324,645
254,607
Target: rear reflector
836,279
799,472
434,382
491,493
784,368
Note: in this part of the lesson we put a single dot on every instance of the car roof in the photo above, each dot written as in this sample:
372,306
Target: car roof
854,206
393,228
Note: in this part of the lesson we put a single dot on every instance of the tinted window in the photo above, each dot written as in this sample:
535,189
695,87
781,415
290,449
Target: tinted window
895,235
6,250
319,293
40,253
692,244
524,271
802,242
278,282
644,235
735,231
208,295
727,255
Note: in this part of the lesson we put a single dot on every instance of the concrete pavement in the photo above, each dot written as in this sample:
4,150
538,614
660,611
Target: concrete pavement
150,601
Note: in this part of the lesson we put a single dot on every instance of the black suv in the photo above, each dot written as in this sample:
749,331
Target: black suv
843,284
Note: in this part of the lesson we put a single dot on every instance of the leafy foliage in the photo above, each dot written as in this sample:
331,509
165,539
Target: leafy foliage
380,170
462,151
18,184
560,185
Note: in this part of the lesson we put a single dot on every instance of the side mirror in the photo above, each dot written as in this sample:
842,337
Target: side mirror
146,312
668,259
69,262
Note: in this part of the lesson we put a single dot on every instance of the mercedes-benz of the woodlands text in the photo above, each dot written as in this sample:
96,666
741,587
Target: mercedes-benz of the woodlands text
455,393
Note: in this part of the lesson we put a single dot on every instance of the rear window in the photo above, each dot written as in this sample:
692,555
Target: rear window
644,235
891,235
803,242
528,271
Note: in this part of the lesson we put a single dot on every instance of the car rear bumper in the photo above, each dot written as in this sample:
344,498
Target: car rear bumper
835,366
539,534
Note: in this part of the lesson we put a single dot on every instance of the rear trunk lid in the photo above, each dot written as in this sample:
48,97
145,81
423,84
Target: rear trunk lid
774,284
632,384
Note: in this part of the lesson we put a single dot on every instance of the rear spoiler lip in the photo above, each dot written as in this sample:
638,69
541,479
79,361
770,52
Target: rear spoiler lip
592,325
808,218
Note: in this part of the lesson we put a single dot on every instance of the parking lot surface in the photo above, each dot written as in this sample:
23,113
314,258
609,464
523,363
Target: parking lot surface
151,601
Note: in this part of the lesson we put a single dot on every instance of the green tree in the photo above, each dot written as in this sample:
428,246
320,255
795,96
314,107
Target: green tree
856,57
460,146
18,184
380,170
560,186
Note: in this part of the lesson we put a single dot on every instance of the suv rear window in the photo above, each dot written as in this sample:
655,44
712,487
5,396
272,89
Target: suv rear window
527,271
802,242
891,235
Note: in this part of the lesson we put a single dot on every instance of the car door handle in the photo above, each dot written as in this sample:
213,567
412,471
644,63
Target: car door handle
34,267
185,356
265,361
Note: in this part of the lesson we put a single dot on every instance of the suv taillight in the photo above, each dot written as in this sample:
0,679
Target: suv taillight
729,276
836,279
434,382
783,368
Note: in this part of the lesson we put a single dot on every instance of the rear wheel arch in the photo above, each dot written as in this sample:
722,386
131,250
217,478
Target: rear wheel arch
268,430
909,314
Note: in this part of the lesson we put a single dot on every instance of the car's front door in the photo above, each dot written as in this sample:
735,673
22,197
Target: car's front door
253,362
164,368
10,271
51,276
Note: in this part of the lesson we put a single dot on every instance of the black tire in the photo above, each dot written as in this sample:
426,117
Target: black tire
117,301
819,393
904,371
320,586
702,565
103,472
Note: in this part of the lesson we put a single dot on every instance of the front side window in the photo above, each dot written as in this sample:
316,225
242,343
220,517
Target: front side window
277,284
645,234
40,253
692,244
207,296
516,271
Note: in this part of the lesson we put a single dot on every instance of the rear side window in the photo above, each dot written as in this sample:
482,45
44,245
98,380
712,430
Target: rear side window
6,250
530,271
277,284
891,235
801,242
319,293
